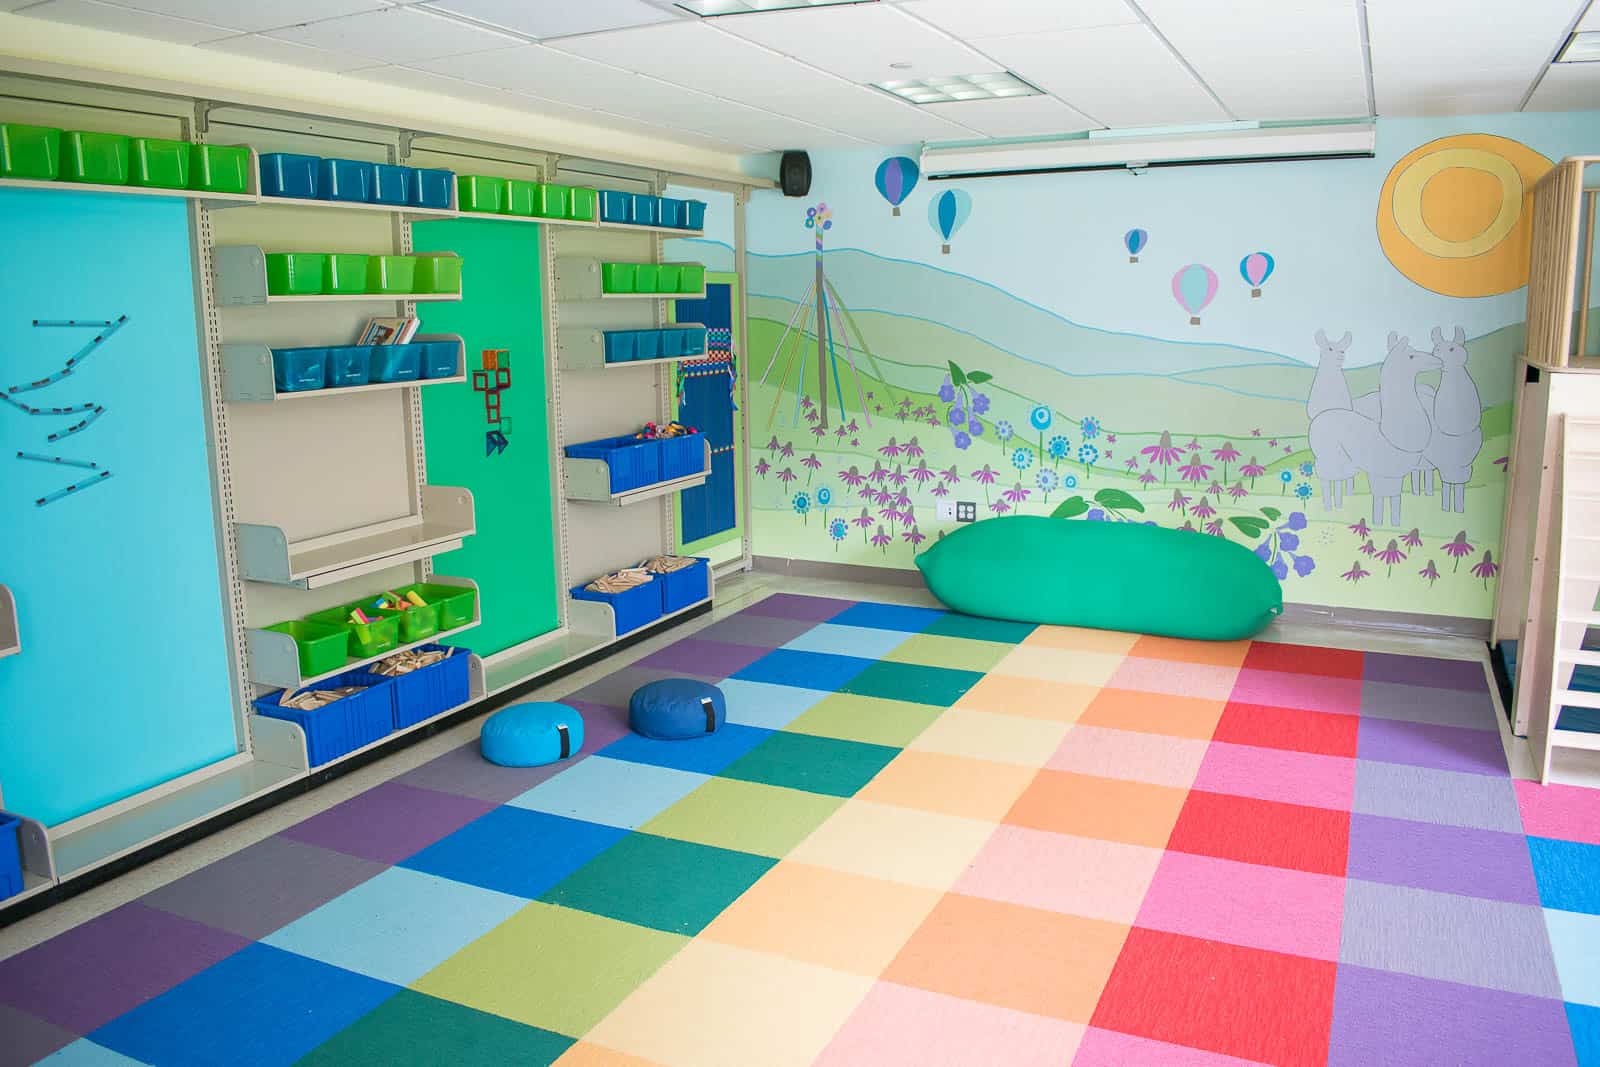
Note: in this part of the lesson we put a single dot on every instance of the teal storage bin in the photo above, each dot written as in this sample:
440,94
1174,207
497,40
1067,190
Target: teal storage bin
646,209
158,164
390,184
671,343
350,180
694,214
348,365
98,158
440,359
671,212
615,206
620,345
647,344
30,152
394,363
299,370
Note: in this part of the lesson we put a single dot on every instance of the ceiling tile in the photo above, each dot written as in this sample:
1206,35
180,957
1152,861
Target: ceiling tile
1590,23
557,19
1272,59
1115,75
1002,18
257,14
126,20
1567,87
258,46
1025,116
399,35
859,41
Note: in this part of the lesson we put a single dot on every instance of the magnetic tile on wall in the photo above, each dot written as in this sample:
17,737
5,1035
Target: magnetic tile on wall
836,640
1308,692
1448,859
1448,937
1305,659
1001,738
388,822
938,686
1445,748
976,628
1029,698
1473,710
872,720
1139,757
241,1005
700,755
829,917
1151,713
397,926
798,606
1575,940
1383,1017
935,650
611,792
1449,798
1193,992
807,670
414,1028
814,764
660,882
900,617
1111,809
1246,904
719,1004
770,707
516,851
1083,876
1565,812
745,816
1277,774
900,1024
949,785
932,850
1027,959
1263,831
588,965
1292,729
1568,873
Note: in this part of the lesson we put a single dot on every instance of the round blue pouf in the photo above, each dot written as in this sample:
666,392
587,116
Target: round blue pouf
675,709
529,735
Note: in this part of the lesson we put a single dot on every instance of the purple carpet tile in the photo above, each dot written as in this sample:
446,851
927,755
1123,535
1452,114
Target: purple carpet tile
716,659
388,822
1449,859
260,888
1402,1021
1440,707
1446,748
796,606
111,964
614,690
758,631
1448,937
1464,674
1423,794
27,1039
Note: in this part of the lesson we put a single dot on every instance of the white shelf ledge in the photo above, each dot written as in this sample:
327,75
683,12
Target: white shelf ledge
215,200
10,629
266,554
247,376
356,205
584,348
589,481
701,295
600,224
242,282
578,278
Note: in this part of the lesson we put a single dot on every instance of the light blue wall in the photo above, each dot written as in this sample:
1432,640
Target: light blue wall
123,681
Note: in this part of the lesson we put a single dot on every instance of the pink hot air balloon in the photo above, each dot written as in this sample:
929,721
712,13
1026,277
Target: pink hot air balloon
1193,287
1255,269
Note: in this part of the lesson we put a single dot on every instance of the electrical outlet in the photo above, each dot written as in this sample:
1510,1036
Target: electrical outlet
966,511
947,511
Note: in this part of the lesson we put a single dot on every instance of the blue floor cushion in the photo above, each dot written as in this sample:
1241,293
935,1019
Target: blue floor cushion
675,709
531,734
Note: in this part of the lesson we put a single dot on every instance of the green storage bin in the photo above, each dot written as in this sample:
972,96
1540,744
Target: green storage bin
391,274
646,278
416,624
668,277
692,278
618,277
454,603
550,201
32,152
438,274
158,164
296,273
101,158
583,205
476,192
521,198
219,168
364,640
321,647
347,273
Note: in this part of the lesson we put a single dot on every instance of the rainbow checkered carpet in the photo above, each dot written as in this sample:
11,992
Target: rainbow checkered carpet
922,839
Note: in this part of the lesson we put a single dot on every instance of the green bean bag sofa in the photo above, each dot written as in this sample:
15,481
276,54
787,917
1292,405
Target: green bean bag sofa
1104,575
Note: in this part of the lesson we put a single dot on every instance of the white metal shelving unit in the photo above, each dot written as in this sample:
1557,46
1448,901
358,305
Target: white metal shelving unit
589,481
247,376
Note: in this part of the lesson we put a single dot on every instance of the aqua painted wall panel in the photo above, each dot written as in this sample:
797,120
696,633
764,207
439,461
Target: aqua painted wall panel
123,681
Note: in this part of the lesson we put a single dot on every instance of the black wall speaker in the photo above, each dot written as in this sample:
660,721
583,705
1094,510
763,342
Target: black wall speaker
794,173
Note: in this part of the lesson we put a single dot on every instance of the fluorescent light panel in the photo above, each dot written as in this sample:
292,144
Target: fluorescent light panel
1580,48
999,85
713,8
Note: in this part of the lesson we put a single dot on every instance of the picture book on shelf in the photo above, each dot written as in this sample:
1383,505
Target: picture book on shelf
389,330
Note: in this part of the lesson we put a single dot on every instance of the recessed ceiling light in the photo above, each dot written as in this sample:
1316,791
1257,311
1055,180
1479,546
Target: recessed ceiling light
1581,48
948,88
713,8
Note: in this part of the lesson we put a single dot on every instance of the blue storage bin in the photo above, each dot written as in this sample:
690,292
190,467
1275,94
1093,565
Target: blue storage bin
694,214
615,206
344,179
634,607
693,340
348,365
394,363
682,456
681,588
296,370
288,174
343,726
632,462
646,209
10,856
621,345
647,344
430,188
424,693
440,359
671,212
390,184
671,343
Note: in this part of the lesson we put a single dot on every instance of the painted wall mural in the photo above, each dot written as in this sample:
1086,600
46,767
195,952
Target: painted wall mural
1343,408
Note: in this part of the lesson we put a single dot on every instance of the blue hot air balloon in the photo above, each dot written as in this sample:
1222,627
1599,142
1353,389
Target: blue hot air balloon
895,179
1255,269
947,212
1134,241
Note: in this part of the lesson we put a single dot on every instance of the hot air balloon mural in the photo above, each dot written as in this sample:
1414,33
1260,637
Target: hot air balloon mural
895,179
1134,241
947,212
1193,287
1255,269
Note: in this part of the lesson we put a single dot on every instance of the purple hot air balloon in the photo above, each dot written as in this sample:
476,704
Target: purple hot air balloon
1193,287
895,179
1255,269
1134,241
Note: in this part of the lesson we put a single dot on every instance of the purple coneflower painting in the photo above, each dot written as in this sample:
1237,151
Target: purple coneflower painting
1355,573
1162,454
1412,539
1457,548
1431,573
1485,568
1390,556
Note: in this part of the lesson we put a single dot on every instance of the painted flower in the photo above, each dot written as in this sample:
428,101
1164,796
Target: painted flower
915,536
811,463
1237,490
1486,568
1252,470
802,504
842,432
772,445
940,490
812,415
899,475
1004,431
1214,528
947,391
1255,433
1096,515
962,440
1286,477
1457,548
1304,565
762,467
1148,477
1273,443
1111,438
1368,549
980,403
878,472
958,415
1193,445
1390,556
1088,454
1021,458
787,450
819,432
805,402
864,520
1069,481
975,427
1204,510
999,507
1360,528
1303,491
1431,573
1179,502
824,496
1131,463
913,448
984,475
1015,495
787,475
891,450
1040,417
1307,469
882,540
1161,454
1502,462
1412,539
951,476
1287,541
1089,426
1194,470
1297,520
921,472
1057,447
1225,455
837,530
1047,480
1355,573
852,477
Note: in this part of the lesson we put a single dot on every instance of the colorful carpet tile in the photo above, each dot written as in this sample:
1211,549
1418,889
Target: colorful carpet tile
921,839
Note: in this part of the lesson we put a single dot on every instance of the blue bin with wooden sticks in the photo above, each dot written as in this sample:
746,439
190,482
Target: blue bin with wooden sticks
434,689
632,461
343,726
633,608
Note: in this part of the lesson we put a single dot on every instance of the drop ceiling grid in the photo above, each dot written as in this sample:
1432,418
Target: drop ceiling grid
857,42
973,21
257,14
399,35
118,19
541,19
